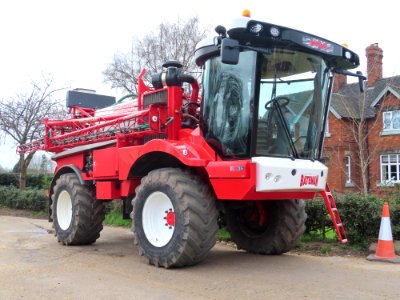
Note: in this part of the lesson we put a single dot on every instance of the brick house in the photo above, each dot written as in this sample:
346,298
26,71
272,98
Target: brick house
364,128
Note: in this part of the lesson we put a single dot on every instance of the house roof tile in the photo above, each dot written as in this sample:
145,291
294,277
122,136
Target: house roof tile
348,102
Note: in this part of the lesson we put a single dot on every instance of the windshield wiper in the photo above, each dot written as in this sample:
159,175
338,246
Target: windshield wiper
284,124
285,127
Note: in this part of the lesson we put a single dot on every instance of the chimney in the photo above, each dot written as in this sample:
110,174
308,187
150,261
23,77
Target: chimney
338,81
374,63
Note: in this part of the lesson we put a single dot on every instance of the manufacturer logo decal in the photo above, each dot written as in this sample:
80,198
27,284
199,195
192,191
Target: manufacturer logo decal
309,180
236,168
318,44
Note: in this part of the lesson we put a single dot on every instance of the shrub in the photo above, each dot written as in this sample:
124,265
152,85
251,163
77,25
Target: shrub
34,180
114,214
9,179
394,203
9,196
361,216
46,181
317,216
38,181
32,199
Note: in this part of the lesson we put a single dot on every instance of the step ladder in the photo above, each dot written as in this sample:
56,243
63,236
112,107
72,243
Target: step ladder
334,213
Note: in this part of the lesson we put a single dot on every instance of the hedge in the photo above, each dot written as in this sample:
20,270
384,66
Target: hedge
9,179
32,199
39,181
361,216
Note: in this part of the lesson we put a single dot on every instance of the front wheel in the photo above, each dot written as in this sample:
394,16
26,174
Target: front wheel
174,218
266,227
77,215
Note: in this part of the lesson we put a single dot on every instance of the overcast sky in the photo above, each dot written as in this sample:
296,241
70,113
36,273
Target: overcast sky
75,39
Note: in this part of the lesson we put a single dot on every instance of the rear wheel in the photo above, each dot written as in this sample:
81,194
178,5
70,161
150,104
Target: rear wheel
77,215
266,227
174,218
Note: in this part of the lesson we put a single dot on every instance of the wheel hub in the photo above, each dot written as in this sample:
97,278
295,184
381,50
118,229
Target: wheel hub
170,218
158,219
64,210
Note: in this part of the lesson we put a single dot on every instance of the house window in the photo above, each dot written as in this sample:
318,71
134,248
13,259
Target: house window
348,169
327,133
390,168
391,120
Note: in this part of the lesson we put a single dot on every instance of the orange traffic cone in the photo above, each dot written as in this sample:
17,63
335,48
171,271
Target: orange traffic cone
385,249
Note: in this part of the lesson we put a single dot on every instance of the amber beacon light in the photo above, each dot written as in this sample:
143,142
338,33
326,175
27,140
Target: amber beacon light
246,13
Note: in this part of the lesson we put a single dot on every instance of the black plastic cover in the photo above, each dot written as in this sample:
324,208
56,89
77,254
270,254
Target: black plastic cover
88,100
230,51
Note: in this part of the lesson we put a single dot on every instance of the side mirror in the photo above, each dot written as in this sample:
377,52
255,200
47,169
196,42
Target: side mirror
361,79
358,74
230,51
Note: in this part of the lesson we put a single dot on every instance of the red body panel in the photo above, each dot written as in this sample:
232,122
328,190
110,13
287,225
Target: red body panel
105,163
77,160
191,149
238,169
174,110
107,190
235,185
127,187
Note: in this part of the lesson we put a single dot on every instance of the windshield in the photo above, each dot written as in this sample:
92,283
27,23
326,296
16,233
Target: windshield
279,112
292,100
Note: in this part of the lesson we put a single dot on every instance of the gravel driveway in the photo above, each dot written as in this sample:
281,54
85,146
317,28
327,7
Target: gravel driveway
34,266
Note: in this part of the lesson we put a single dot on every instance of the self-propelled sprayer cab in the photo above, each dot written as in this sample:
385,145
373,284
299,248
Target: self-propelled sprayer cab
266,89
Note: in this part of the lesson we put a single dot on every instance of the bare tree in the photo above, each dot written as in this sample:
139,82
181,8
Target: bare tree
170,41
357,124
20,116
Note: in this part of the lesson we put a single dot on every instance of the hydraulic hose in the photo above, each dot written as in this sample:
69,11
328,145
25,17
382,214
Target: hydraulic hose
193,82
124,97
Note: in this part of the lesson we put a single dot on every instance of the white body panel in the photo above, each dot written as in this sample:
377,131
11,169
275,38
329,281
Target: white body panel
285,174
240,22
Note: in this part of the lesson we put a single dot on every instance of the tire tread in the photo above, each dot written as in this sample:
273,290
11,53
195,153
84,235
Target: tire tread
88,215
197,202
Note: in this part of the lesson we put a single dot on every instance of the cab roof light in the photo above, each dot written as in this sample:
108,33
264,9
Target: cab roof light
347,54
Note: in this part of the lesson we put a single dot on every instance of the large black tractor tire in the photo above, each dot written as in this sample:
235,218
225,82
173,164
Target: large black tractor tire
77,216
174,218
269,227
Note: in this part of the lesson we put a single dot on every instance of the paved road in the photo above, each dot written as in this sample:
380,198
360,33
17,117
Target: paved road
34,266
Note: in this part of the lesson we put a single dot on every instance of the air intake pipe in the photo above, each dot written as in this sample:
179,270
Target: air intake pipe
172,76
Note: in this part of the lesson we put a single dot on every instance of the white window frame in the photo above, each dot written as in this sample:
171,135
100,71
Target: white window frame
348,169
327,133
390,164
390,117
